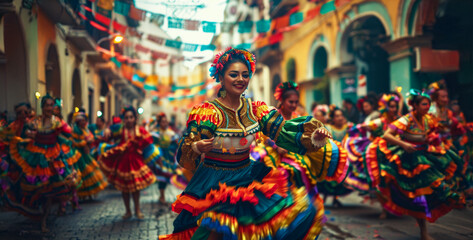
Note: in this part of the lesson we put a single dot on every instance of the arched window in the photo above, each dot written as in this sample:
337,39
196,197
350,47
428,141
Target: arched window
291,70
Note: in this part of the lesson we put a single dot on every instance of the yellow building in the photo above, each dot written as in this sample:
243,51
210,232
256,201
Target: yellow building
373,46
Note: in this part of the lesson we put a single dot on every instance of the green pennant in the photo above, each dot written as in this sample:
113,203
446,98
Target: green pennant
328,7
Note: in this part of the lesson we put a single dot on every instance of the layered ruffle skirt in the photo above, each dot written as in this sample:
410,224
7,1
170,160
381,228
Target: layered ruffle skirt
422,184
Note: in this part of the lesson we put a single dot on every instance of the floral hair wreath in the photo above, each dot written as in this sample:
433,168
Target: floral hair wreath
222,58
435,86
79,115
383,102
283,87
414,93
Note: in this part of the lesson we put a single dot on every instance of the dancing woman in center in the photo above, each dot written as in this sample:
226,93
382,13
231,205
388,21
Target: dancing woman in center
230,196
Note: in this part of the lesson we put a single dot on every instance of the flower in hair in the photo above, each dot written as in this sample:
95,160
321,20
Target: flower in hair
283,87
383,102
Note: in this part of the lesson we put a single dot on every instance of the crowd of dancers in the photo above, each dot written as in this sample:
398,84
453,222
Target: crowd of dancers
247,170
45,160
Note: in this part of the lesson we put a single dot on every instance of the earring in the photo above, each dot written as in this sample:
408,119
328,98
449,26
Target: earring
244,93
223,93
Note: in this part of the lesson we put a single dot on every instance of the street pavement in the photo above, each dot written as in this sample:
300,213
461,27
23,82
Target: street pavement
101,219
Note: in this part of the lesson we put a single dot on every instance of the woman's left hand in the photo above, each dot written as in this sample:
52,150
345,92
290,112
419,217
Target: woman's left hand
321,134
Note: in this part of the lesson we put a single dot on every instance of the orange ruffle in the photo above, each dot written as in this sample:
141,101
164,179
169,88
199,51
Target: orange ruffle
398,210
388,178
281,220
184,235
372,161
274,183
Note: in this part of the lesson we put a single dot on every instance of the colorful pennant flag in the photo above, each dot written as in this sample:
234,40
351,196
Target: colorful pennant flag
263,26
328,7
245,26
209,27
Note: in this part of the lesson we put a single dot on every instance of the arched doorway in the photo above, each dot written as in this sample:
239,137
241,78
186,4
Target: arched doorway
320,62
53,72
320,90
76,90
361,47
291,70
14,86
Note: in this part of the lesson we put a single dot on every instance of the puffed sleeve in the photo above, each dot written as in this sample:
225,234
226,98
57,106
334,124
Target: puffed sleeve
400,125
150,151
296,135
201,124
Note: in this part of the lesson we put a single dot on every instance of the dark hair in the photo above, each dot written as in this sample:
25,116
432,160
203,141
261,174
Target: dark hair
129,109
347,100
225,67
26,104
286,94
45,98
416,100
101,118
332,113
160,117
372,99
435,94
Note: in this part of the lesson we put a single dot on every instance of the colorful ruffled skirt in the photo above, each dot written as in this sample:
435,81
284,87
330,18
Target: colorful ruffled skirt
336,187
40,171
358,178
421,184
125,167
253,202
258,201
93,180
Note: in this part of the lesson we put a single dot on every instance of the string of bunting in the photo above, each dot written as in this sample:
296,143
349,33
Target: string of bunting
101,22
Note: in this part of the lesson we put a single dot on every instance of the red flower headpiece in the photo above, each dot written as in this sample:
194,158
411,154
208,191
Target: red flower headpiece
283,87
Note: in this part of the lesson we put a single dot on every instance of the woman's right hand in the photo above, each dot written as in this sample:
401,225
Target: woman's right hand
409,147
107,133
281,151
205,145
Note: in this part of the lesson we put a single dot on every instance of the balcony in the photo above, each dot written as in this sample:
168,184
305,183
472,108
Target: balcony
269,55
6,6
59,12
279,8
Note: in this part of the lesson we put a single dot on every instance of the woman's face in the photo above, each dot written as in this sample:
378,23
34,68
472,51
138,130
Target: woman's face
442,99
21,113
290,103
99,123
392,108
319,116
129,119
82,123
236,79
367,108
423,107
48,108
338,118
163,123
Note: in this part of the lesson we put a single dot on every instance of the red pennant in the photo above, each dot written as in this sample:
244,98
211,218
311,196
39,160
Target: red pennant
119,27
102,19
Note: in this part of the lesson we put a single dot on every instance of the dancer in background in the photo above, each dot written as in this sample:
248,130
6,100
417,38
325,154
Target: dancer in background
46,161
167,141
416,172
366,172
338,128
229,195
125,163
93,180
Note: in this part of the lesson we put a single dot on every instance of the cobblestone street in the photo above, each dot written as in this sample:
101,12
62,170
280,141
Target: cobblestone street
101,219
